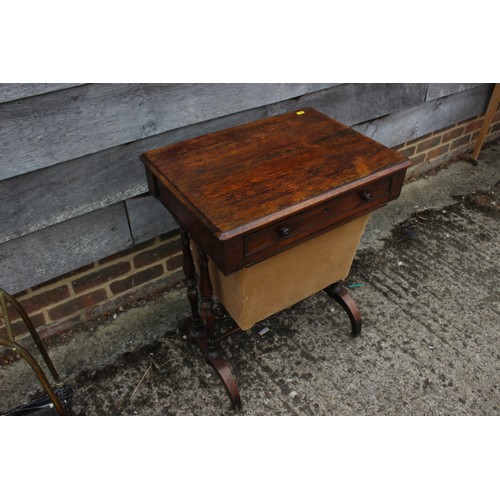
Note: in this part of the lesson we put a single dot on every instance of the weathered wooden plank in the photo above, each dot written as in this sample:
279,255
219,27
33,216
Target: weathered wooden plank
437,90
59,126
38,199
358,102
15,91
148,218
417,121
58,249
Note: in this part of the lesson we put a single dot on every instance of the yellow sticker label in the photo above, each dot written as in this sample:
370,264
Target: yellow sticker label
300,112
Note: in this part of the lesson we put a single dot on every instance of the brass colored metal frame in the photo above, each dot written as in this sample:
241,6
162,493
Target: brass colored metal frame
10,343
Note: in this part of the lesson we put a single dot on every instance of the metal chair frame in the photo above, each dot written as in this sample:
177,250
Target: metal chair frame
60,388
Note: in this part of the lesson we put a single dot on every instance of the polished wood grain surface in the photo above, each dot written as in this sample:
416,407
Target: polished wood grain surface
244,174
252,191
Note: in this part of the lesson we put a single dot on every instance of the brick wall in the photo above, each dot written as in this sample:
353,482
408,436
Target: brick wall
101,287
151,267
432,149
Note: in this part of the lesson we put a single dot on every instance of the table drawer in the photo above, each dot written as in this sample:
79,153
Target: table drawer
288,231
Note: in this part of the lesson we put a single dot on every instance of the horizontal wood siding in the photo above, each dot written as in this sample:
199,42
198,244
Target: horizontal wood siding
72,187
148,218
433,115
14,91
44,130
437,90
58,249
75,187
356,103
117,174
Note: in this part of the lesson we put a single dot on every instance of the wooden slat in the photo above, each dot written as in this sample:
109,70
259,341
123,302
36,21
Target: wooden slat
148,218
41,198
56,250
38,199
358,102
48,196
51,195
15,91
411,123
437,90
59,126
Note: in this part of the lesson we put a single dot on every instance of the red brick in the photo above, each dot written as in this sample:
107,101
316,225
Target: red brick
44,299
19,327
460,142
452,134
495,128
155,254
409,151
428,144
136,279
174,262
475,125
441,150
78,304
100,276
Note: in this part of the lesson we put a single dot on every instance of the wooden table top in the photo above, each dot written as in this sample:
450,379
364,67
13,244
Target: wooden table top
246,177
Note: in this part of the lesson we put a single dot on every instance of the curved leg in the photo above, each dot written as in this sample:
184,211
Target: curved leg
221,366
214,355
38,372
339,293
60,395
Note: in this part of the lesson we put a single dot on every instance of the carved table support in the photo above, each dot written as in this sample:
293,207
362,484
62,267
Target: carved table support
340,294
190,280
204,335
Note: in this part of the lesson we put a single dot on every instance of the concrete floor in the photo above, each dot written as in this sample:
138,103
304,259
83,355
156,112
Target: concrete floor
429,296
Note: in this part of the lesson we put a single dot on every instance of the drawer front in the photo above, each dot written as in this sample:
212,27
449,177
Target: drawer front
288,232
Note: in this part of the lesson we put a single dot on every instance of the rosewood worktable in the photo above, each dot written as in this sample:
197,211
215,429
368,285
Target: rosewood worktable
250,194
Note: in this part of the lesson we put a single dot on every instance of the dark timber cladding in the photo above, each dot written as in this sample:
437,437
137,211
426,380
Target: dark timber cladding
69,151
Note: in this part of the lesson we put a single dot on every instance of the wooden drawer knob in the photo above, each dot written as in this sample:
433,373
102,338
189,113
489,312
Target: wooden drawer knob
366,196
285,232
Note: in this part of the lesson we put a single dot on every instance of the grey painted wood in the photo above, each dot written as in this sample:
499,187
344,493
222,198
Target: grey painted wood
148,218
53,220
38,199
59,126
358,102
56,250
417,121
48,196
15,91
437,90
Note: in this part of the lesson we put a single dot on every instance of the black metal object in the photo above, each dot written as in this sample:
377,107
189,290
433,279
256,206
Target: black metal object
44,405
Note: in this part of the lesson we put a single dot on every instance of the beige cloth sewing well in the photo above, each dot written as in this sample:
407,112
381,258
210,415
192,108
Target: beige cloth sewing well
255,293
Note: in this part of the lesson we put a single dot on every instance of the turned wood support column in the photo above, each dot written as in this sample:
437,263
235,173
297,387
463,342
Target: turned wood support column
190,278
207,304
